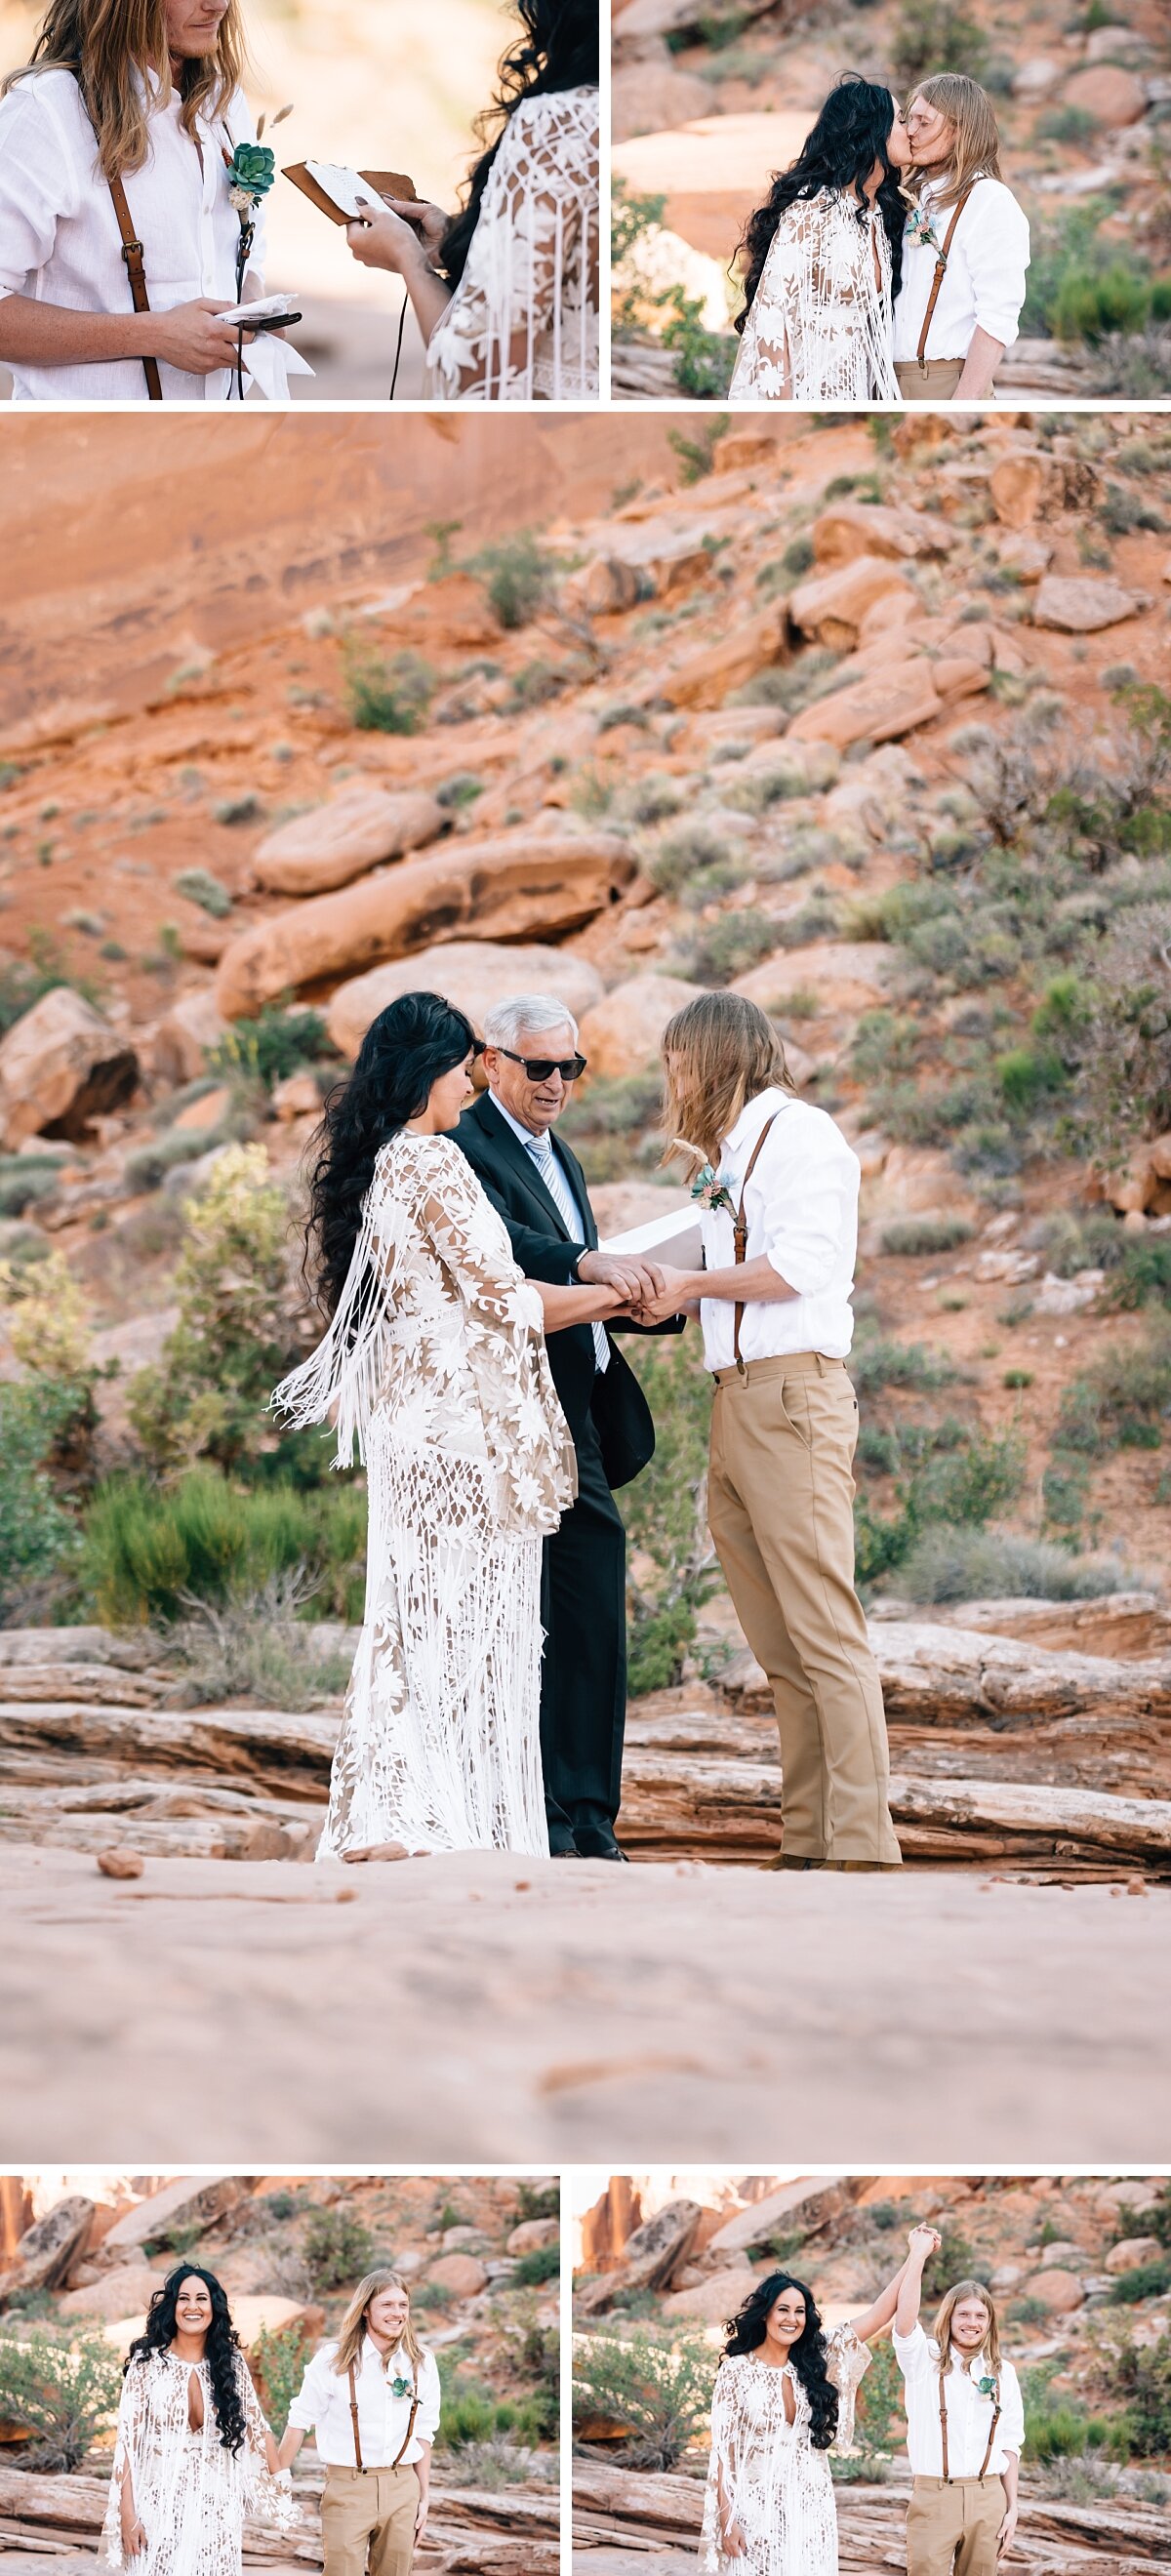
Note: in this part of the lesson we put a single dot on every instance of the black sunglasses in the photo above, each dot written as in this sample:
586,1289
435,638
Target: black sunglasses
539,1067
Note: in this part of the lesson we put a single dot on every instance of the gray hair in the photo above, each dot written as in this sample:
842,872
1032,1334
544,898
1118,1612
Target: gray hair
526,1013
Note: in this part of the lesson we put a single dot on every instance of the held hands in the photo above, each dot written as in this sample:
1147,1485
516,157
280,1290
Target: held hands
645,1291
923,2242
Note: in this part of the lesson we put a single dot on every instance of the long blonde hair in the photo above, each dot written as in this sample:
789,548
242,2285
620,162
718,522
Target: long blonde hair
719,1052
353,2324
976,144
109,45
948,2306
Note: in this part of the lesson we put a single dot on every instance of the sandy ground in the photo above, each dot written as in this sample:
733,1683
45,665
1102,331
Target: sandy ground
581,2013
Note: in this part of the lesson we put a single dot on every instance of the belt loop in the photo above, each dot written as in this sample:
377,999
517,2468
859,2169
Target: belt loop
820,1363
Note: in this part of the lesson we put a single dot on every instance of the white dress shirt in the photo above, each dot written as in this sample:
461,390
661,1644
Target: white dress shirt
983,284
60,242
801,1207
556,1179
322,2407
969,2416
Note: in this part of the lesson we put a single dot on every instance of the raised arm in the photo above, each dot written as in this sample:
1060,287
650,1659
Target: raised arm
882,2313
922,2245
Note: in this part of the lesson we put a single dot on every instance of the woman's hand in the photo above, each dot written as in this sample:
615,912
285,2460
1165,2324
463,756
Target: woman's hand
734,2542
385,241
133,2537
428,222
922,2243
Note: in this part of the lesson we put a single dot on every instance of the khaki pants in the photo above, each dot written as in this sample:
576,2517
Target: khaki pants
951,2530
780,1497
368,2521
934,381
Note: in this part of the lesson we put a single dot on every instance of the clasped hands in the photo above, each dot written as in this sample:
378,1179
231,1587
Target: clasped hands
642,1289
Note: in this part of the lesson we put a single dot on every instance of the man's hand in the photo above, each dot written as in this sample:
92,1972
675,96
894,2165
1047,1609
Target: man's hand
676,1291
638,1282
189,337
421,2517
1006,2533
922,2243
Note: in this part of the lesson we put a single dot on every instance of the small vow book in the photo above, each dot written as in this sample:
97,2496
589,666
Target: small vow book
676,1234
344,194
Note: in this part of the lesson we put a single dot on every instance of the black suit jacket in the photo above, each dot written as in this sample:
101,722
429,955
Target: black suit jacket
546,1251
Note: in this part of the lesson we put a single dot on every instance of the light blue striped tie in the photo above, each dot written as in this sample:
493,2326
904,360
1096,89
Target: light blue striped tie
554,1178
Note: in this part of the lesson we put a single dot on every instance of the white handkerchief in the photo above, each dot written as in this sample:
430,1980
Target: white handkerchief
271,362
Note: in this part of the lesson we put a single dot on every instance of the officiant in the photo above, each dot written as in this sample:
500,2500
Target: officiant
532,1061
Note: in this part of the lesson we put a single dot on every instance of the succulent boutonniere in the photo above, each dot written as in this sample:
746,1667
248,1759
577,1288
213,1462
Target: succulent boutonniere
251,169
709,1192
400,2387
986,2385
920,228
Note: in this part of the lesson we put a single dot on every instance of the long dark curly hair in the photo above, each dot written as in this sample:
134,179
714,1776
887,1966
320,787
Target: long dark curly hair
219,2352
851,134
404,1051
746,2331
558,50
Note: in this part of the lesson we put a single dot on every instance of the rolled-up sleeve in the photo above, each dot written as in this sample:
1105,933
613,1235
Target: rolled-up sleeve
807,1223
997,252
35,177
913,2353
1012,2412
308,2405
427,2419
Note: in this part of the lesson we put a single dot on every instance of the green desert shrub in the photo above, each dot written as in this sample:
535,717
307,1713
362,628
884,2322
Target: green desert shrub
915,1235
659,2385
276,1043
206,1396
281,2353
26,1180
970,1563
717,951
386,695
473,2413
63,2394
542,2264
201,887
1144,2281
39,1537
1123,1401
665,1514
877,1361
150,1551
336,2248
518,575
1142,2378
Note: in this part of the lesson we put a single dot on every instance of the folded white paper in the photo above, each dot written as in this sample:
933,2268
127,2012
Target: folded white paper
676,1234
346,189
263,308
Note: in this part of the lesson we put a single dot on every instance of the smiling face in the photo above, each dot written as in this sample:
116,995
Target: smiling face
449,1094
931,136
193,2306
387,2315
785,2321
970,2324
535,1104
193,28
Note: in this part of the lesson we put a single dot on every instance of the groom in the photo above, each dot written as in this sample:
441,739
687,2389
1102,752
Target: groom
532,1062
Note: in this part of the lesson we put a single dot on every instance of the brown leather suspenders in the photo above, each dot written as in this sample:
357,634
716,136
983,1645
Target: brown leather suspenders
937,280
136,272
397,2461
740,1236
983,2471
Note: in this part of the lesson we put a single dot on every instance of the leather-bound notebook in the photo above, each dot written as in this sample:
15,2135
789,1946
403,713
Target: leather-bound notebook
332,189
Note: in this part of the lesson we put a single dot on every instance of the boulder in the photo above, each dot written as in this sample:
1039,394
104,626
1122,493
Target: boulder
621,1034
602,588
532,2234
126,2292
846,530
1059,2291
42,2256
846,975
716,2299
296,1097
352,832
797,2208
193,2200
1133,2250
704,676
175,1046
1078,605
741,449
1108,93
507,888
647,97
1036,77
805,768
473,974
650,2256
1134,2191
459,2273
1025,555
833,604
876,709
1029,483
61,1064
204,1113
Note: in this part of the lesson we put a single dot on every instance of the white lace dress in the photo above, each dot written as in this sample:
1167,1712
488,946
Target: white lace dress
523,321
819,328
777,2487
436,1362
190,2493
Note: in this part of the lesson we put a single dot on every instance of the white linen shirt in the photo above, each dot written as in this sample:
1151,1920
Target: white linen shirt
983,285
60,243
322,2407
969,2415
801,1208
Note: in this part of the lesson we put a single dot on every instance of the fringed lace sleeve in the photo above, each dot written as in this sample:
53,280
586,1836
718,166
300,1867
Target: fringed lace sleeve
524,318
347,1366
720,2492
820,321
128,2448
264,2495
847,2362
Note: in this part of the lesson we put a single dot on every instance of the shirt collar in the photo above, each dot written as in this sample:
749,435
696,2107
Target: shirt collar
532,1144
752,1118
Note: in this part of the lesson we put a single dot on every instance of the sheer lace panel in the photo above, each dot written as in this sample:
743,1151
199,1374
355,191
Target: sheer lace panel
189,2493
819,327
523,321
764,2473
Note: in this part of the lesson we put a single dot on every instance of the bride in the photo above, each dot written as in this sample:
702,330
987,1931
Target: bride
506,291
784,2397
435,1358
823,260
193,2452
